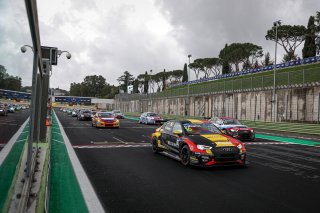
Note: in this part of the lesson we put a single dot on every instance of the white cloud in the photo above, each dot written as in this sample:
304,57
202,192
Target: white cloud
108,37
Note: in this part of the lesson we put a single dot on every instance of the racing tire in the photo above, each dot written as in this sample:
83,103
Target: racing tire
185,155
154,143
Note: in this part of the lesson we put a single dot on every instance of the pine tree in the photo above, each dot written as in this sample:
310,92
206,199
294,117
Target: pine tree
185,73
310,48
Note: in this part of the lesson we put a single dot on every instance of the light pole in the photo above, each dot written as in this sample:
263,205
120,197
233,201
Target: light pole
276,24
188,98
150,89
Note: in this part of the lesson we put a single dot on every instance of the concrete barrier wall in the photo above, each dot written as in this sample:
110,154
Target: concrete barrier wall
299,104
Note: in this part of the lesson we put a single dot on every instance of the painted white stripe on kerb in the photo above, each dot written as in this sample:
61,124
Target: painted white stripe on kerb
7,148
88,192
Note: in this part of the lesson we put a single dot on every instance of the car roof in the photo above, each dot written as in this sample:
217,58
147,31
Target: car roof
224,118
194,120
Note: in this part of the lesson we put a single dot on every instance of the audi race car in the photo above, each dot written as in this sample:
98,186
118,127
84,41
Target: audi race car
105,119
192,144
150,118
118,114
234,128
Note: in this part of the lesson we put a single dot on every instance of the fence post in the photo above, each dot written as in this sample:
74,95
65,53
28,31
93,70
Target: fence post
288,78
232,85
303,78
241,84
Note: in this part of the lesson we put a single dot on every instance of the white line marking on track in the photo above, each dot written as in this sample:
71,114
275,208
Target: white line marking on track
109,146
57,141
120,140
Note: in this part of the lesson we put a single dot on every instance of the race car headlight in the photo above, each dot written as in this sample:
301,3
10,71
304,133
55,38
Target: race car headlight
233,130
239,146
251,130
203,147
82,115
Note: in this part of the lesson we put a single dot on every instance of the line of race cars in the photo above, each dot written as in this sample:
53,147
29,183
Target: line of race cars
97,118
204,143
6,108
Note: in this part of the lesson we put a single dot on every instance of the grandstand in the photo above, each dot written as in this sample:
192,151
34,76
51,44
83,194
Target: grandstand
257,70
15,95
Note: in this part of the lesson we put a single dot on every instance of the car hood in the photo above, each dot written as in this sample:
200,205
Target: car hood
215,140
107,119
232,126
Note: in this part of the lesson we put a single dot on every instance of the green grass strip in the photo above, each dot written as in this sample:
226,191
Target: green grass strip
131,118
313,129
9,168
65,193
288,140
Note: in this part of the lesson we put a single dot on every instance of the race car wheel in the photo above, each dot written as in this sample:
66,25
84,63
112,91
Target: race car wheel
155,147
185,155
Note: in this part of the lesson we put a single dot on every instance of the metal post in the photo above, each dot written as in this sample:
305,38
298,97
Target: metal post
44,99
276,24
318,107
33,113
38,107
187,112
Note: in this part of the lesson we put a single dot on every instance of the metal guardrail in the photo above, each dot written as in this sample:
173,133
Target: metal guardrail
292,79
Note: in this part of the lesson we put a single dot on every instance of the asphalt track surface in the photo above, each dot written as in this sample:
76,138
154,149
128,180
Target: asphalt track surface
10,124
128,177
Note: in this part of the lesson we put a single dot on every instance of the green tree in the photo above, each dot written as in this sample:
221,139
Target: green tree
136,86
317,29
267,60
76,89
289,37
93,85
125,80
196,66
164,78
225,63
12,83
310,48
185,73
240,53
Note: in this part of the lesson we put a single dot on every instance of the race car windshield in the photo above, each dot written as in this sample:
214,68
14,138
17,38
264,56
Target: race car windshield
210,127
105,115
196,129
152,115
231,121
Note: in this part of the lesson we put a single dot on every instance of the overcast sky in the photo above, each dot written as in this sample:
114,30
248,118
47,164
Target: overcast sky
109,37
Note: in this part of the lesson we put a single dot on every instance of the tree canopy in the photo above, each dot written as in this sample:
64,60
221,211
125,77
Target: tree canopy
289,37
310,48
9,82
240,54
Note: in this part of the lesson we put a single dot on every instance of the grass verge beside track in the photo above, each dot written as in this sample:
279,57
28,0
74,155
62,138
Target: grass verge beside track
9,168
65,193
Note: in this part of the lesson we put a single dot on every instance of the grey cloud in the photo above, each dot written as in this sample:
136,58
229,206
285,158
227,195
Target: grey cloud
206,25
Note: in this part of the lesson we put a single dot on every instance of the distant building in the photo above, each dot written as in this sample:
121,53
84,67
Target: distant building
58,92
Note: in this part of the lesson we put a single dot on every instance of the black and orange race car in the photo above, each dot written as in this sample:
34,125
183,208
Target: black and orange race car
197,143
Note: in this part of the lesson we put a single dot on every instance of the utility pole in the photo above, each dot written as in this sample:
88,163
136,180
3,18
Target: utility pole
276,24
